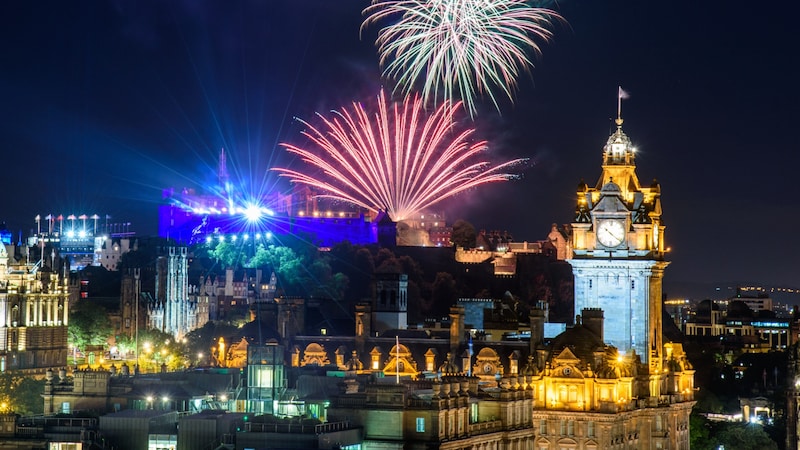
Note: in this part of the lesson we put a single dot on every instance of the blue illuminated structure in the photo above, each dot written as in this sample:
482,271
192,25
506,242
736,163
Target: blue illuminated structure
78,238
190,217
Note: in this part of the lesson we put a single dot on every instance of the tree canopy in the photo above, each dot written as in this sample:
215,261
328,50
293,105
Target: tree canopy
89,324
20,394
463,235
706,435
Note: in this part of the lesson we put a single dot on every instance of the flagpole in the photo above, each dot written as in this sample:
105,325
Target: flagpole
621,94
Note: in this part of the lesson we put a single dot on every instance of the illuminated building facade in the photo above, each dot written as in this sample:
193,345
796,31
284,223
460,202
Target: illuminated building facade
589,395
611,381
82,240
172,311
618,252
739,327
34,314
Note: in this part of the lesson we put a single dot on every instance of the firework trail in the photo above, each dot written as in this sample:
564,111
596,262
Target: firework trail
397,159
463,48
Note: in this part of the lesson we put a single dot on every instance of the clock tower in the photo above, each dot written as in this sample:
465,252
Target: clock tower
618,253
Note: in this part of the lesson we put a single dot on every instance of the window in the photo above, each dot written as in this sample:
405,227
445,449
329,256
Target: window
590,429
65,407
570,428
573,394
543,426
420,424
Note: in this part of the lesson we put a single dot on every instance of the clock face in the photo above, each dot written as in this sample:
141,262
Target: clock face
611,233
487,368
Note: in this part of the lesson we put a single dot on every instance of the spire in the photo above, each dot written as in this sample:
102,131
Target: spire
618,149
222,170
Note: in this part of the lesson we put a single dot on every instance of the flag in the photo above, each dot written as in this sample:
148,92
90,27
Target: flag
622,93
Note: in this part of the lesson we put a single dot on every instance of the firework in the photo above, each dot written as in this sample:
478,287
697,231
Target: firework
465,48
398,160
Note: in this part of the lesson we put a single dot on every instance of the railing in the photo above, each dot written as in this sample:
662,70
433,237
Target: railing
24,431
486,427
347,402
329,427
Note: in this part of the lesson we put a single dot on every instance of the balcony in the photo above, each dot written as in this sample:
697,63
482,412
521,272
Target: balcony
486,427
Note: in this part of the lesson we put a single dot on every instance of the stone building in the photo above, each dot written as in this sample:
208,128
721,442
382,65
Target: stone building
172,311
34,314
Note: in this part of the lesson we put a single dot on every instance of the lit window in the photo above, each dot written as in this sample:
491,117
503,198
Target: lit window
420,424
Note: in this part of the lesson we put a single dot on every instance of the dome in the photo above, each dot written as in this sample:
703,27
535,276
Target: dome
618,137
448,368
618,149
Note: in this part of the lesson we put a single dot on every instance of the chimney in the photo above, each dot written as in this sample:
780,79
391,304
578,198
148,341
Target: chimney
456,326
363,325
538,317
593,320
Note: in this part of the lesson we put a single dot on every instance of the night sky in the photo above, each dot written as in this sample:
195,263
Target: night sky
105,103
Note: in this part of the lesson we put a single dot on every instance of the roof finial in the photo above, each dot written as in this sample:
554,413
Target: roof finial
621,94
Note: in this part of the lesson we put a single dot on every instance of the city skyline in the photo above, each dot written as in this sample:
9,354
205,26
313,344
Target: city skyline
106,105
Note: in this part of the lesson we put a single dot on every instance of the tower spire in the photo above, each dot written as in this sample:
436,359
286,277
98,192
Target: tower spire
222,170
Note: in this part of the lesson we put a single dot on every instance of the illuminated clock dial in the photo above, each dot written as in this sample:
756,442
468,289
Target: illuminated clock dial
611,233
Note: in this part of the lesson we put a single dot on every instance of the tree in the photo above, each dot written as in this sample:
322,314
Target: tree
229,254
21,394
89,325
200,341
463,234
699,433
744,435
445,293
158,347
